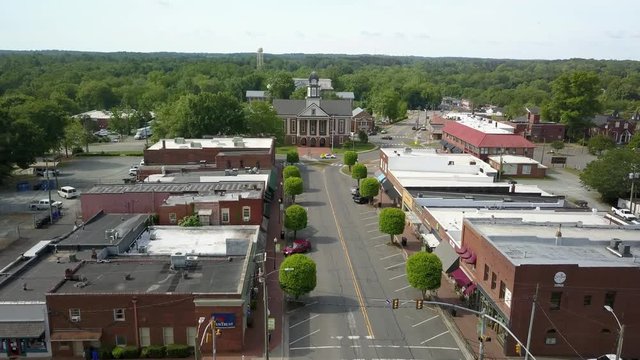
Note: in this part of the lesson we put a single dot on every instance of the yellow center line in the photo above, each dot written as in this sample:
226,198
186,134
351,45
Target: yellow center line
356,286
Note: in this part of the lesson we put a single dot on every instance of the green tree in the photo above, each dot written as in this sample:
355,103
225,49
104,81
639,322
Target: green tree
350,158
293,157
609,174
74,135
358,172
363,137
293,186
387,103
424,271
391,221
557,145
190,221
369,187
574,101
290,171
599,143
281,85
121,122
295,218
634,142
263,121
297,275
96,94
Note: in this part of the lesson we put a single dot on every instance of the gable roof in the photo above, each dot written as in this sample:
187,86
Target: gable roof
294,107
479,139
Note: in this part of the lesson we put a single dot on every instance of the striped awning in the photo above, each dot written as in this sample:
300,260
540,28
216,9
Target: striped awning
21,329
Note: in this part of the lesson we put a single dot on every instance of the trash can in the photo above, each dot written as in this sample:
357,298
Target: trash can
453,312
404,241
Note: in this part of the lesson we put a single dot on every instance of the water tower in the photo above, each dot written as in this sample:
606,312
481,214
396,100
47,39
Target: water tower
259,59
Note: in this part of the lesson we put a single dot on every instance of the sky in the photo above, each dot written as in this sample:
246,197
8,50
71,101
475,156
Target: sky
515,29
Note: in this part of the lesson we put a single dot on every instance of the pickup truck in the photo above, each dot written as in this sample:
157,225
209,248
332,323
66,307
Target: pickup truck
44,204
625,214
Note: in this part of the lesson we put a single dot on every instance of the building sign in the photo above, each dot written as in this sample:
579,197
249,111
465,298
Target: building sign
558,159
507,297
407,199
271,324
224,320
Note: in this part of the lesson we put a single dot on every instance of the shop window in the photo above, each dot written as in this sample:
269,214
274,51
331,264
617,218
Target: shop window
556,298
145,336
485,277
121,340
605,331
37,345
246,213
74,315
173,218
610,298
167,335
225,215
191,336
494,278
118,314
503,289
587,300
550,338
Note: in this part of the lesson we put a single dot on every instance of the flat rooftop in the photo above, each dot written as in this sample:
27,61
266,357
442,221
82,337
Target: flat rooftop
514,159
39,275
585,246
226,143
479,123
452,218
228,240
93,232
155,275
210,177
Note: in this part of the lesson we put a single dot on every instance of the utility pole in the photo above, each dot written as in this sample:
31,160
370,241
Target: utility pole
49,188
533,311
266,307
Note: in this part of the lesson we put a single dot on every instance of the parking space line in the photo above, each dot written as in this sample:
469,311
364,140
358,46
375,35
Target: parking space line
393,266
383,244
304,337
390,256
403,288
303,321
424,321
398,276
316,347
371,224
378,237
433,337
374,230
370,217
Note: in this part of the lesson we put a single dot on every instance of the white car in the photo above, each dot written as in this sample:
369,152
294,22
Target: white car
68,192
44,204
625,214
133,171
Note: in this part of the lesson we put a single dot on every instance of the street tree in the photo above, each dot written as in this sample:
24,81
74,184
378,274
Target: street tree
281,85
290,171
297,275
263,121
369,187
75,135
574,101
599,143
557,145
293,186
121,122
609,174
391,221
363,137
350,158
293,157
295,218
424,271
359,171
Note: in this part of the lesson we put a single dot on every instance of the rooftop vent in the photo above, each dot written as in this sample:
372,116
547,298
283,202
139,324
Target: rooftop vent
472,162
238,142
178,260
196,145
179,140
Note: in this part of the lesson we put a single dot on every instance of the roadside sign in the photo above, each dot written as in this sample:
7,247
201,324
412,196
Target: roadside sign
271,324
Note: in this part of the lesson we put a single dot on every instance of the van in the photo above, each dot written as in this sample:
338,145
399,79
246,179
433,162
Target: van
68,192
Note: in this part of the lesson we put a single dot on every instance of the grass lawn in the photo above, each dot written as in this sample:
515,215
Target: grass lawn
283,150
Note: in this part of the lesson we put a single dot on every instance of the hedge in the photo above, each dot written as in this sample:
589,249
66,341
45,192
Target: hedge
178,351
105,352
126,352
153,351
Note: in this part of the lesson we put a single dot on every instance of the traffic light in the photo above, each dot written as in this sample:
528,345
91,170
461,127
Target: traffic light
484,338
518,349
395,303
419,304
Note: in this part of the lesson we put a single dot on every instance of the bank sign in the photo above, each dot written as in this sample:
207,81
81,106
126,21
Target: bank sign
224,320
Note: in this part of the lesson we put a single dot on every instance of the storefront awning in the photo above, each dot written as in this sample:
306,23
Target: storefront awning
466,255
471,259
447,256
391,191
76,335
470,289
430,240
21,329
379,175
460,277
461,250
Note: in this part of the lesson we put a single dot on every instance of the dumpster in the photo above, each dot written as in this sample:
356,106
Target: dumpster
23,186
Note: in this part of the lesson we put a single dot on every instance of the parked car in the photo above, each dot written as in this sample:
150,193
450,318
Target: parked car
383,131
68,192
423,129
386,137
413,128
50,172
299,246
44,204
327,156
360,199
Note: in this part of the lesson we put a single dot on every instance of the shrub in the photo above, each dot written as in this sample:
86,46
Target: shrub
125,352
153,351
77,150
178,351
105,352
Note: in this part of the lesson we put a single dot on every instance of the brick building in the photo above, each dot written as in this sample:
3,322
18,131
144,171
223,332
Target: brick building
576,270
362,120
213,154
483,137
155,296
519,166
217,202
533,128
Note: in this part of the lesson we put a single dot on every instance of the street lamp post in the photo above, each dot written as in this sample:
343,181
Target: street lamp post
620,331
263,278
275,251
197,350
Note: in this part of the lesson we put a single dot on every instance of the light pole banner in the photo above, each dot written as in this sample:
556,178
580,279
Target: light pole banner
224,320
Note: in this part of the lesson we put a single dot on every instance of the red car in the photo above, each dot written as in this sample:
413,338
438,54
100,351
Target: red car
299,246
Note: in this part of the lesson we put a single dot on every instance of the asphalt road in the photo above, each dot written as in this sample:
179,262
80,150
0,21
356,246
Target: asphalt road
347,316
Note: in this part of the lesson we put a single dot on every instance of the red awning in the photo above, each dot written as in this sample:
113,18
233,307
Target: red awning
460,277
462,250
467,254
471,259
470,289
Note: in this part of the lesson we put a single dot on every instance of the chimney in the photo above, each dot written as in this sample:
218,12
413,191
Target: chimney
164,144
559,235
